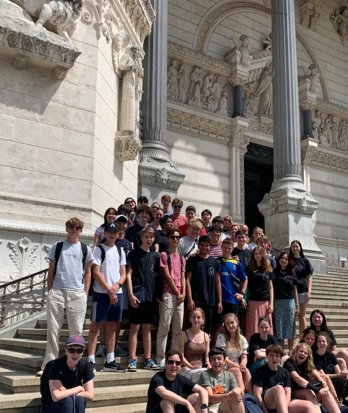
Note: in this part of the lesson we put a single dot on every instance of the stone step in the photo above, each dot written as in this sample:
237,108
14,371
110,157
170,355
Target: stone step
103,396
127,408
20,381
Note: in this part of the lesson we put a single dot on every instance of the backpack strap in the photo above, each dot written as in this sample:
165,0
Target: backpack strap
84,249
169,261
102,253
59,247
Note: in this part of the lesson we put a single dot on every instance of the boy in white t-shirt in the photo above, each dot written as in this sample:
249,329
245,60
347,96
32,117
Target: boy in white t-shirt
109,271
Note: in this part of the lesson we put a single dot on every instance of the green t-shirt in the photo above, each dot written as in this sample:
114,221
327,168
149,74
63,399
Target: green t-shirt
221,384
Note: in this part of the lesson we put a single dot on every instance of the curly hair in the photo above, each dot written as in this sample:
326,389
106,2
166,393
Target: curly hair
308,363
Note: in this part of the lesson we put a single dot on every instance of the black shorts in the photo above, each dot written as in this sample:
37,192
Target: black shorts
144,314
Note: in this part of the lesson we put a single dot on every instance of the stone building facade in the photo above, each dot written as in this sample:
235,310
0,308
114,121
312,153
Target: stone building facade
75,139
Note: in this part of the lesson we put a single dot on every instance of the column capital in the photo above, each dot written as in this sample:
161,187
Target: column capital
239,127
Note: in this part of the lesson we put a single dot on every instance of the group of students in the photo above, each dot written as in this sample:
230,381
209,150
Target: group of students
238,377
169,272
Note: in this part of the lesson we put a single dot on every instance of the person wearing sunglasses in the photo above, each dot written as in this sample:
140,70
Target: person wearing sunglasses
68,282
171,392
67,382
178,218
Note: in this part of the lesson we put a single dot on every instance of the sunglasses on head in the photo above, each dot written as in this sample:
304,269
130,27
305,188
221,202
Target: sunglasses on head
75,350
75,227
172,362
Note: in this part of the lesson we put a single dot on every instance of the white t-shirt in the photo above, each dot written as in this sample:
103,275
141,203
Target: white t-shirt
110,268
187,247
70,271
231,352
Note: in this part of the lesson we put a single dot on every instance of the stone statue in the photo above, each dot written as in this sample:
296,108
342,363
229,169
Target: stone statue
130,65
316,124
207,87
195,87
313,75
60,14
343,136
244,49
222,109
216,94
182,83
334,132
310,13
172,80
267,42
340,22
328,129
119,43
263,92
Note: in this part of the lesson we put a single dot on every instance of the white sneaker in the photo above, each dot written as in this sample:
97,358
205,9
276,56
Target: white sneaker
39,373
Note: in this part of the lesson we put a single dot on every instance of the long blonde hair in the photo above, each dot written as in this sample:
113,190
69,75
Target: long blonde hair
308,364
237,337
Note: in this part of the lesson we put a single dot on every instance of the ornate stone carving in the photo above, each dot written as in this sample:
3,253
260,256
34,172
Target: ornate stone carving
310,13
267,48
58,15
312,75
324,157
23,255
339,19
127,145
203,127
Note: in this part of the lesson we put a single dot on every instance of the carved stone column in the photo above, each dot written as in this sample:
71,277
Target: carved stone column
238,147
288,208
157,173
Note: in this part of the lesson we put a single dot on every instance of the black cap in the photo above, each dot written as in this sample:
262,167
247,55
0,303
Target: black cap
110,227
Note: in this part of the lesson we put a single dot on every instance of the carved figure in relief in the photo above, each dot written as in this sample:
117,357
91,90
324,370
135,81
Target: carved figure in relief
343,136
119,44
61,14
328,129
263,92
340,22
244,49
310,13
316,124
207,87
223,102
182,83
216,94
195,87
172,81
334,132
313,74
131,67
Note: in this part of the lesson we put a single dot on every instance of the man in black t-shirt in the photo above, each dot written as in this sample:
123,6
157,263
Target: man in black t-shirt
67,382
203,285
171,392
241,250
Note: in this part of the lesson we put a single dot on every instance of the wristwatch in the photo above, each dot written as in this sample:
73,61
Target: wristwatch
204,406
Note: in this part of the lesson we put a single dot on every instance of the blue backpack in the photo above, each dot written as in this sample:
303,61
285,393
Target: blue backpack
251,404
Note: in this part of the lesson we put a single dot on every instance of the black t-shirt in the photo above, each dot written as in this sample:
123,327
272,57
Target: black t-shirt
266,378
133,235
145,265
258,285
203,279
180,386
163,240
283,284
58,370
299,369
256,343
326,362
303,269
244,256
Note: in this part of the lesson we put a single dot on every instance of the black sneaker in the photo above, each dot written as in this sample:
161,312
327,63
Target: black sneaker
113,366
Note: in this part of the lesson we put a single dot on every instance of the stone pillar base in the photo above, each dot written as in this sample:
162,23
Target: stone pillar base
158,175
288,210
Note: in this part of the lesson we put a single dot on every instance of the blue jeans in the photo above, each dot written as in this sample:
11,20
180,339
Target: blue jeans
65,405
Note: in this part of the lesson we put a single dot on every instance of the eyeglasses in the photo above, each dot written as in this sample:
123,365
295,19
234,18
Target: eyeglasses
172,362
75,350
174,237
177,206
75,227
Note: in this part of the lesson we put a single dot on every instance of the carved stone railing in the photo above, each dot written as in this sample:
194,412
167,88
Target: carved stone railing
22,298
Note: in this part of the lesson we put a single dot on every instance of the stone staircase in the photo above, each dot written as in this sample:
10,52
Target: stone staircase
21,357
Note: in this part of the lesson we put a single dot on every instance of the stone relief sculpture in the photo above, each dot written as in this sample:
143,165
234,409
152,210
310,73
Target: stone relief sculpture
263,92
330,131
173,80
182,83
316,123
216,94
313,75
223,104
310,13
119,44
244,49
343,135
207,86
60,14
130,65
340,22
195,87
